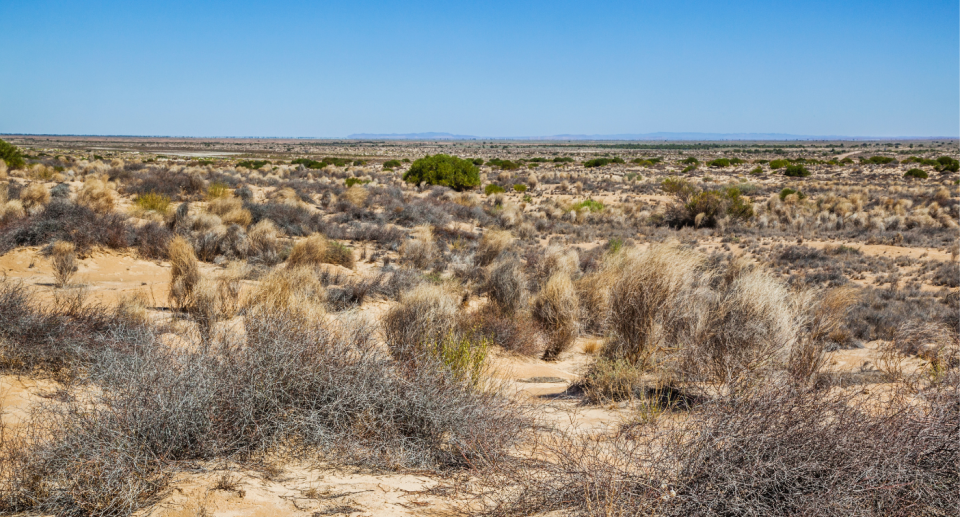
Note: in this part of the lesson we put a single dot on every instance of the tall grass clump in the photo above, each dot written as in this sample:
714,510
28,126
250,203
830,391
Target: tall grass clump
491,245
152,201
317,249
556,309
184,272
97,196
424,315
64,261
420,250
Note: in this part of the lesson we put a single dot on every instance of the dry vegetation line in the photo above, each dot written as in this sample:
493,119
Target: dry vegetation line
699,323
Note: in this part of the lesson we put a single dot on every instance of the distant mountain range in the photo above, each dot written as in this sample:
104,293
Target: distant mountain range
661,136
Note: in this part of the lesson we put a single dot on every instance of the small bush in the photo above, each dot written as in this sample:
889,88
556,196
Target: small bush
779,164
787,191
391,164
444,170
184,272
254,164
947,164
493,188
757,171
316,250
796,171
519,187
916,173
66,221
719,162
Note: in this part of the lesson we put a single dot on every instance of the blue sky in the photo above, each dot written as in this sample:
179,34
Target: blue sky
498,68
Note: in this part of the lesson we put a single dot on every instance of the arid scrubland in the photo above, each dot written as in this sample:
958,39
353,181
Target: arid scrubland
584,328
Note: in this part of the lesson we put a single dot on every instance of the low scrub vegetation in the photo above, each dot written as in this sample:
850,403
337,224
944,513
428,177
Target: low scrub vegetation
444,170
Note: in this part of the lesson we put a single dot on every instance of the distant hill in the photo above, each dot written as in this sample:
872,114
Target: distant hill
410,136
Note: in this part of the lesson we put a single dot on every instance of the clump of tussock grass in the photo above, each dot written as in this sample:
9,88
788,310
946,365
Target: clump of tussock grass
556,308
425,314
420,250
264,238
96,195
34,196
506,285
184,272
317,249
675,315
491,245
64,261
230,210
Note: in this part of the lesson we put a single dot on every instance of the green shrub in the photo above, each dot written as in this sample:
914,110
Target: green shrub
739,206
391,164
217,190
590,204
779,164
11,155
787,191
563,159
520,187
329,160
506,165
719,162
254,164
736,161
349,182
689,168
916,173
796,171
444,170
690,161
493,188
477,161
153,201
877,160
761,162
948,164
757,171
597,162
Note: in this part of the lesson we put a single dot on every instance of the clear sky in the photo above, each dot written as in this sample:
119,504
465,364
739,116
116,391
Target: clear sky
497,68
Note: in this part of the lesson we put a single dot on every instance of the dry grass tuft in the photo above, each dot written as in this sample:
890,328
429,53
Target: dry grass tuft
492,244
421,250
424,315
317,249
97,196
356,195
184,272
506,285
556,309
34,196
64,262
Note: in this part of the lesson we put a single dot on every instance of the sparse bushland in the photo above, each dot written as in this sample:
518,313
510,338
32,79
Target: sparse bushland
318,390
444,170
771,450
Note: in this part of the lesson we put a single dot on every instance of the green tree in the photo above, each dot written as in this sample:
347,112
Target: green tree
11,154
444,170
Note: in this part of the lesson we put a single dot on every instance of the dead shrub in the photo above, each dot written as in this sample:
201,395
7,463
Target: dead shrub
773,451
230,210
264,241
184,272
64,261
421,250
556,308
